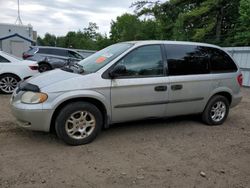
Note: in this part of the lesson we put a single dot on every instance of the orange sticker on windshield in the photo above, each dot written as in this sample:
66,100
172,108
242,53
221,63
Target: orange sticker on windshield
100,59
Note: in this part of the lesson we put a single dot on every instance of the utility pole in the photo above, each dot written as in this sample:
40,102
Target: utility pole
18,20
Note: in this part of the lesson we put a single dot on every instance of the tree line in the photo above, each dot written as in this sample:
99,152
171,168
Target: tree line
220,22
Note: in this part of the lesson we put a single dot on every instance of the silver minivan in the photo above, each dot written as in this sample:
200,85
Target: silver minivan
130,81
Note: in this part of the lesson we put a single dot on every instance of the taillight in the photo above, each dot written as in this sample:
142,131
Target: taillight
25,56
240,79
33,67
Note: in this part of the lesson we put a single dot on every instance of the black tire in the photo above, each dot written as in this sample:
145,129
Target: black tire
75,108
208,113
13,79
43,67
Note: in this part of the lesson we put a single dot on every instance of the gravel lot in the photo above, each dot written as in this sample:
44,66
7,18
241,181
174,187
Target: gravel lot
177,152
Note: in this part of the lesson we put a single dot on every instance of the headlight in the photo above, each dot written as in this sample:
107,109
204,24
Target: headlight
33,97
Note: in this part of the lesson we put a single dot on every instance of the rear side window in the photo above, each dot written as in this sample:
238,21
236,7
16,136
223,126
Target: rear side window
3,60
220,61
32,50
52,51
187,59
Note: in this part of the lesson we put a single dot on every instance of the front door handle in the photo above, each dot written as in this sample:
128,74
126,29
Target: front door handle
161,88
176,87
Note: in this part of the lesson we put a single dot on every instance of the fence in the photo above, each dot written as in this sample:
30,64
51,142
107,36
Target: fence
242,57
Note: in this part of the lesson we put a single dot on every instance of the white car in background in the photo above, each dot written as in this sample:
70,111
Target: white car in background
13,70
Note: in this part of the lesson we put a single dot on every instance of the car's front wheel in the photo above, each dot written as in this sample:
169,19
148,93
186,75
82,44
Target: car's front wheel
43,67
78,123
216,110
8,83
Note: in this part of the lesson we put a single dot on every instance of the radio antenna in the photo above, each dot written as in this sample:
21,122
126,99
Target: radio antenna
18,20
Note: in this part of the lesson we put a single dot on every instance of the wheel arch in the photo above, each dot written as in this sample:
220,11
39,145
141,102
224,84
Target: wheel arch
44,62
11,73
91,100
225,93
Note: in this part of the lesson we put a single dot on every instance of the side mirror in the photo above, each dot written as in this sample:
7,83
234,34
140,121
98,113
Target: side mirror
118,70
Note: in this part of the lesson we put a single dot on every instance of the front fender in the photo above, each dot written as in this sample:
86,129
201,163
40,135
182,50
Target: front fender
65,96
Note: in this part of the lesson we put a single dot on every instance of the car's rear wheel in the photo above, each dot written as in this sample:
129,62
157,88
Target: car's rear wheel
216,110
43,67
8,83
78,123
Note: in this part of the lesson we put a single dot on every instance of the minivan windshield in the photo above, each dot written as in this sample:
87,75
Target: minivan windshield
101,58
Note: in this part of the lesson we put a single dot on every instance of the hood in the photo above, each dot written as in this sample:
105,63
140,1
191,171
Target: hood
51,77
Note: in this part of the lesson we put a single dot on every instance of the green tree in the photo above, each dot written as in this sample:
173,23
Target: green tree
125,28
91,31
211,21
49,40
164,14
39,41
243,27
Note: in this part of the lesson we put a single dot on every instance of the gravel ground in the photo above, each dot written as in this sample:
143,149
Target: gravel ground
177,152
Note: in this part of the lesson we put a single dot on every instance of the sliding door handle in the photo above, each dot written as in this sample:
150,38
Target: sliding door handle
176,87
161,88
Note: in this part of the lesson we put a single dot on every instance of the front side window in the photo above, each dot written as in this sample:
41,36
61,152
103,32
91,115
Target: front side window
3,60
143,61
43,51
187,59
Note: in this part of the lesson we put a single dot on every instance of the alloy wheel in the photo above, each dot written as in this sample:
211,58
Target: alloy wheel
80,124
218,111
8,84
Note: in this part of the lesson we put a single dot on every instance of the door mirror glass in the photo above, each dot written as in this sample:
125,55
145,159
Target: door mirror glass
117,71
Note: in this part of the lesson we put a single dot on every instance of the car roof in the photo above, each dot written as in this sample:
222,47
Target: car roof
146,42
52,47
60,48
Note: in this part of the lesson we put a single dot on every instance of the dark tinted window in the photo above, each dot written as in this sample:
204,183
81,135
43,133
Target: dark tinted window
220,61
52,51
143,61
187,60
43,51
3,60
73,54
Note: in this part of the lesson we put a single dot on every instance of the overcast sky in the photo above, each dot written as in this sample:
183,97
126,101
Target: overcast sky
60,16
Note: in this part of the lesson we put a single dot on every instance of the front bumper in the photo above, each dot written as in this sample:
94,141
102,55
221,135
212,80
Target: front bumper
32,119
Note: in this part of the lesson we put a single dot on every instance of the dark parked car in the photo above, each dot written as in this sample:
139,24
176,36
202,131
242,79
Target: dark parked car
49,58
85,53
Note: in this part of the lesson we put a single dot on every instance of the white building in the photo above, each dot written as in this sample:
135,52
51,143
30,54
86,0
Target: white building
16,39
242,58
